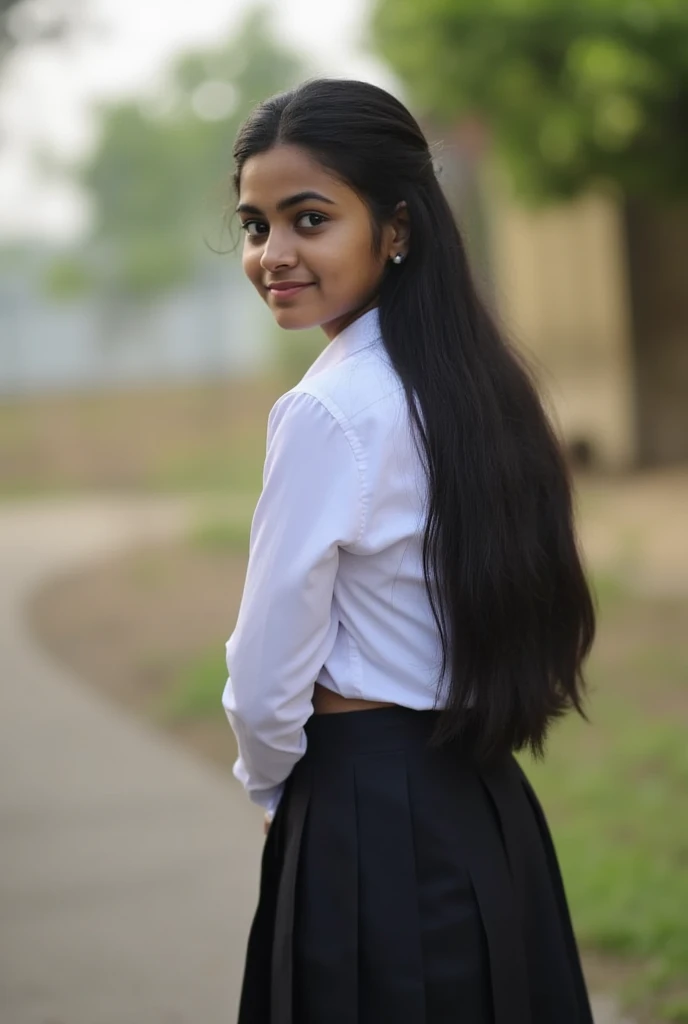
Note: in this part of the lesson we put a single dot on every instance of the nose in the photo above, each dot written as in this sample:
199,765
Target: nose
277,253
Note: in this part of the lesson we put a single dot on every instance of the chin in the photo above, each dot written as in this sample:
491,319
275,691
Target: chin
295,320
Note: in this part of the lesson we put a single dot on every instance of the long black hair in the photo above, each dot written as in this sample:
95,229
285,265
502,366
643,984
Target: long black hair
500,559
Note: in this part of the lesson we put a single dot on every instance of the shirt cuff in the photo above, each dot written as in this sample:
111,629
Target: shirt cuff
268,799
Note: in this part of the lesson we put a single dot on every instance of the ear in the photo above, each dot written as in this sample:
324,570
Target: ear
401,225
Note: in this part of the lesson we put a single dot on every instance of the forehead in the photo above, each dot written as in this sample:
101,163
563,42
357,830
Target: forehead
285,170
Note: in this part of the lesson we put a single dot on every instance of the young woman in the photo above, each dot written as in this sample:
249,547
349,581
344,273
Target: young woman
415,503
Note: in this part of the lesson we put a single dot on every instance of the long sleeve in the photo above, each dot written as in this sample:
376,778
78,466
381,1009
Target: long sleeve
311,504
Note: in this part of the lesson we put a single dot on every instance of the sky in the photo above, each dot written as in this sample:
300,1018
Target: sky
47,91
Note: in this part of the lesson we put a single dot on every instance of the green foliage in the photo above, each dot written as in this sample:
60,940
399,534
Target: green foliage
159,174
153,263
577,93
68,279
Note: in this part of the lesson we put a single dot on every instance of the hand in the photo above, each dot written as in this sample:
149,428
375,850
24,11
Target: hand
266,825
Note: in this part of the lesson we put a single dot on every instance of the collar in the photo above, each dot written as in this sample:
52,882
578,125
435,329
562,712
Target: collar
364,332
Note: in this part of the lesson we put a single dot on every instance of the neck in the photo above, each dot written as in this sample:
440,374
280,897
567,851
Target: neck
336,327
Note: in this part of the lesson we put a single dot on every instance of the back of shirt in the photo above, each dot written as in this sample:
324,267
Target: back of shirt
387,644
334,588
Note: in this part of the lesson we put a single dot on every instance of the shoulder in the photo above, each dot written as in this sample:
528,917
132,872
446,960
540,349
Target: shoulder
308,423
302,409
349,388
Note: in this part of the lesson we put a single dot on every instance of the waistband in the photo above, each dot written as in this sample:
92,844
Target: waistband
372,729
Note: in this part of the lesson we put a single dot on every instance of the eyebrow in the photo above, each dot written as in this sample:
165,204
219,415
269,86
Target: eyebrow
286,203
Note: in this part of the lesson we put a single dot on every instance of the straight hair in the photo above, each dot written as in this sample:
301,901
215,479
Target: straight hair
502,568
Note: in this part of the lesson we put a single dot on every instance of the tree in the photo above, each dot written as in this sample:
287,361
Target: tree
27,22
578,95
159,175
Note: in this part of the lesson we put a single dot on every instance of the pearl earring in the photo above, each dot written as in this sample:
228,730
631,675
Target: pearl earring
398,258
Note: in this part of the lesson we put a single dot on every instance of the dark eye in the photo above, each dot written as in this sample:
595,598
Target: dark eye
247,224
318,217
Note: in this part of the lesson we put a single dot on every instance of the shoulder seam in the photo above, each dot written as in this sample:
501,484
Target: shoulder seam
357,449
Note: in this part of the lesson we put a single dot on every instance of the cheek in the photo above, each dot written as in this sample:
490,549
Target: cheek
250,262
349,253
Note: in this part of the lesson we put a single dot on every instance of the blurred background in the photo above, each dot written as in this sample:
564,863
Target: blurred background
138,367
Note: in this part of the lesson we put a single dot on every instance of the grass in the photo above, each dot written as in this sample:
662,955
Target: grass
219,534
232,469
615,794
614,808
203,436
197,693
614,790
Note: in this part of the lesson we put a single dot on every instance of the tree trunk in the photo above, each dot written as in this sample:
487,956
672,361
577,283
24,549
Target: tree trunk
657,252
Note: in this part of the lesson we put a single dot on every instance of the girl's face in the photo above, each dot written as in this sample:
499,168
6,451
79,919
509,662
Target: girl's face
303,226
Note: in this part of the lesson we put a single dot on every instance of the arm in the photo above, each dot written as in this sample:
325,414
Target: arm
310,506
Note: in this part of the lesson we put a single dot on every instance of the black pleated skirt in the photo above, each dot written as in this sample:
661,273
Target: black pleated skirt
405,884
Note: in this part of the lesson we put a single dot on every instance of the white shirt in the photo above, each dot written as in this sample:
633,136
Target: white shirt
334,589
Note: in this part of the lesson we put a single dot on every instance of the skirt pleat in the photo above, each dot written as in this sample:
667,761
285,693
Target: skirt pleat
408,885
325,928
390,955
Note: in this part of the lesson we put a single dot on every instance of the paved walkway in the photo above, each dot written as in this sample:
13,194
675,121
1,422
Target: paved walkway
128,870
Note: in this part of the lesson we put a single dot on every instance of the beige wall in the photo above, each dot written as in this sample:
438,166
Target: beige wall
560,289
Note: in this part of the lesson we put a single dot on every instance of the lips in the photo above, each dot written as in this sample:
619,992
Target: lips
286,291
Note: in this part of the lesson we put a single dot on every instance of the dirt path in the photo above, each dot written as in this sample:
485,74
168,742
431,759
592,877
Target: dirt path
638,525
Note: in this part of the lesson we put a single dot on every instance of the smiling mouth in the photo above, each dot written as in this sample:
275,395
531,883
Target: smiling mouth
288,293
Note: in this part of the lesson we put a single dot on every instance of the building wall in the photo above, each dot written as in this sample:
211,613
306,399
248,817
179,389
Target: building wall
560,288
208,328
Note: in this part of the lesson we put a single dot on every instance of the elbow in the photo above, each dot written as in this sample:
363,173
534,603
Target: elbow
250,709
243,707
248,714
264,715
